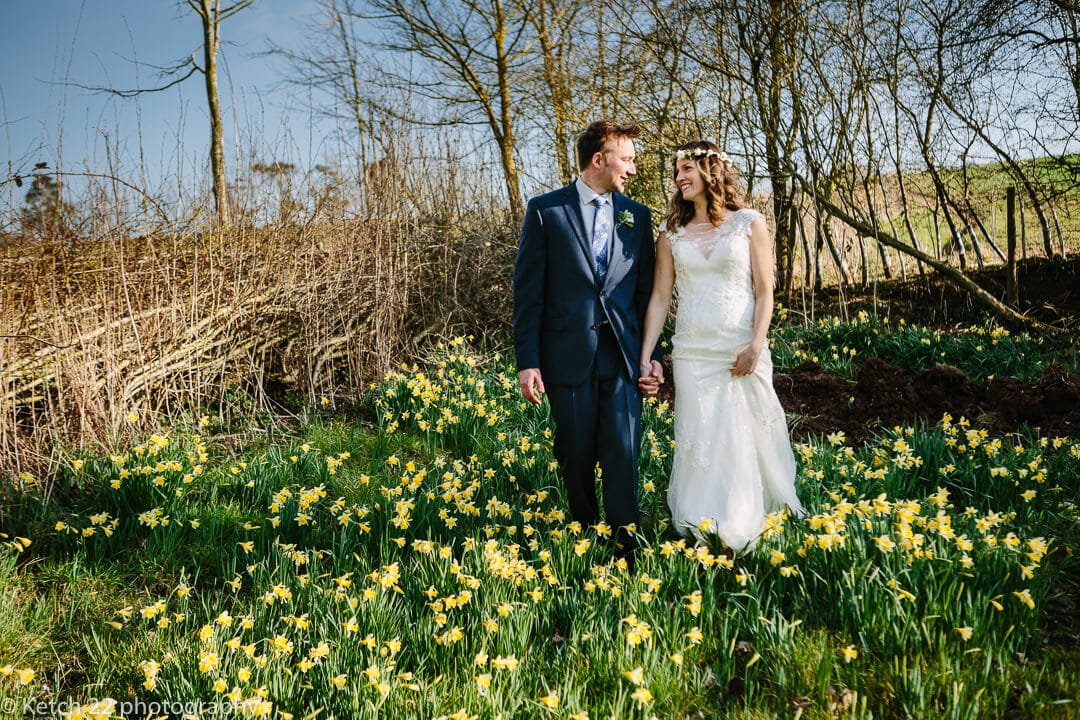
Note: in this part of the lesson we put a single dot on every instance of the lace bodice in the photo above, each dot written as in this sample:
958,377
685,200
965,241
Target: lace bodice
714,286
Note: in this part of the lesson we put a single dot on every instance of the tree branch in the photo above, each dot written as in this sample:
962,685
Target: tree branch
139,91
947,271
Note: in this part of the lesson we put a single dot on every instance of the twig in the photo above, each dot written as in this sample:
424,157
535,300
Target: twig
36,339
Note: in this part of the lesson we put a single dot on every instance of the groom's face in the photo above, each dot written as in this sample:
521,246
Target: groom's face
616,164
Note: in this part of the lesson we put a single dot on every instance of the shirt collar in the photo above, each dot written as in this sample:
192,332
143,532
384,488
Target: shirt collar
586,193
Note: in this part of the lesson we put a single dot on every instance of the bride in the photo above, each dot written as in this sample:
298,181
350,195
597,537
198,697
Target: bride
733,460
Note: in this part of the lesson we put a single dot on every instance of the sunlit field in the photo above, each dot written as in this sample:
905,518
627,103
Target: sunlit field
417,562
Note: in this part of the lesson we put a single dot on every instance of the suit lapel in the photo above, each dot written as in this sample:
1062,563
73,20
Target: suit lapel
572,208
621,244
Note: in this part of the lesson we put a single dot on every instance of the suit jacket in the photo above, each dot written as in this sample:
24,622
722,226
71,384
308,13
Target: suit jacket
559,302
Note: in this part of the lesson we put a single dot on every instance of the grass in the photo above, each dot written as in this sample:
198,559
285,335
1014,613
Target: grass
421,565
986,188
982,352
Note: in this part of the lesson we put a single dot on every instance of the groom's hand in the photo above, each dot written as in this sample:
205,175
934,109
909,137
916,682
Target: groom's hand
652,377
532,385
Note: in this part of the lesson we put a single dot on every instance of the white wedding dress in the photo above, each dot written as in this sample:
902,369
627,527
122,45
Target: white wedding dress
733,460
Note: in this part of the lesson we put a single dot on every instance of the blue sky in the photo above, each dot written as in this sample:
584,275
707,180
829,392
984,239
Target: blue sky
47,43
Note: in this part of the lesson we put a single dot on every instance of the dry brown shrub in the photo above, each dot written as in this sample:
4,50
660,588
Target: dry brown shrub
165,324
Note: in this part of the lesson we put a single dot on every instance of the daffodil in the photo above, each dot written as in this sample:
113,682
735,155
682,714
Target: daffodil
208,662
100,710
505,663
551,700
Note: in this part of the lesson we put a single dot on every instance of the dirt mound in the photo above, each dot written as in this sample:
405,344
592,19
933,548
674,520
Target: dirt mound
884,395
1049,292
1052,403
819,403
944,389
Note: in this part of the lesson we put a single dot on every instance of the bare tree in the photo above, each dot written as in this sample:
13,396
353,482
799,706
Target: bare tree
554,23
914,57
471,53
334,61
752,49
1064,17
950,273
212,15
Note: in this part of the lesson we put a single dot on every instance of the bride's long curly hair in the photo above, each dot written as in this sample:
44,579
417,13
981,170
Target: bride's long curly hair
723,191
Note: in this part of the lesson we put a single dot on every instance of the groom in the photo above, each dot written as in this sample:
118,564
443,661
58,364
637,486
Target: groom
582,280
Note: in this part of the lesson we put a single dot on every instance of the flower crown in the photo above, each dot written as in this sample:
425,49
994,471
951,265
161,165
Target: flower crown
699,152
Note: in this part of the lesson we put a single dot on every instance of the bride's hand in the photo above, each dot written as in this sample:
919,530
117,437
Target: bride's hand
746,361
651,378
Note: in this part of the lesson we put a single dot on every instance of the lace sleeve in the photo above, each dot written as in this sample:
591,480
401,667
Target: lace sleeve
674,236
744,218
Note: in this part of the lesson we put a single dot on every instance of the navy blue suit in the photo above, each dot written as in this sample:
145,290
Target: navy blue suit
585,337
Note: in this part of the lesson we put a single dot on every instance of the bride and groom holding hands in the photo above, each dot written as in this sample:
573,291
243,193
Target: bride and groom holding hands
591,295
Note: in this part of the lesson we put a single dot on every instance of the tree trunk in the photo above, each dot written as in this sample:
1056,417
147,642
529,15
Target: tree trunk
554,74
1012,292
356,96
837,256
505,134
208,13
1023,231
793,228
986,235
1057,228
808,268
969,228
864,269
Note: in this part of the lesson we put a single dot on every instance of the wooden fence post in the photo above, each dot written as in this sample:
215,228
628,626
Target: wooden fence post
1012,292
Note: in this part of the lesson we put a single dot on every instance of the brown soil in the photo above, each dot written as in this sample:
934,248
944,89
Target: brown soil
1049,291
884,395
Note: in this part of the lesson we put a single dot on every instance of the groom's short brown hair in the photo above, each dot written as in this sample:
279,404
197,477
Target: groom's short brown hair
597,134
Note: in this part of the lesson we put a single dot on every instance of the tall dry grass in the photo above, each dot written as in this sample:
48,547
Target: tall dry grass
100,329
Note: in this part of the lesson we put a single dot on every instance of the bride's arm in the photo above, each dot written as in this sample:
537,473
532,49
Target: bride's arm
762,269
659,302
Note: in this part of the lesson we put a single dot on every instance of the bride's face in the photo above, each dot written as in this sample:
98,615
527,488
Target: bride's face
688,179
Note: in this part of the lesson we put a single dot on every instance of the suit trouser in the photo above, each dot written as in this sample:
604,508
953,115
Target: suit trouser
600,421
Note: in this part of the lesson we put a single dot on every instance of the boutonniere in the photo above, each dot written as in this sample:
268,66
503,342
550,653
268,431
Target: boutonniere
625,218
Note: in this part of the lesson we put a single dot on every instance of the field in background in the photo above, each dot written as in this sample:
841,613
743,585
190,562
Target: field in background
984,187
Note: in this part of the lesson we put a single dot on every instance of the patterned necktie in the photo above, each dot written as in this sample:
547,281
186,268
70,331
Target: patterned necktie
601,236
